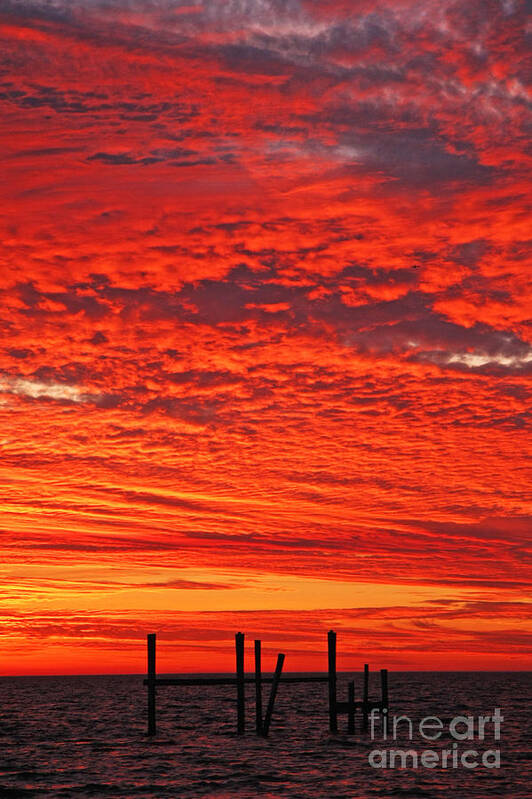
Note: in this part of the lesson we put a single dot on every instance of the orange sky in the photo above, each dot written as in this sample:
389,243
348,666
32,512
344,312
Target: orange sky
265,346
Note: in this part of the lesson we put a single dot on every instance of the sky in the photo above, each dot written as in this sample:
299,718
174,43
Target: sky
265,343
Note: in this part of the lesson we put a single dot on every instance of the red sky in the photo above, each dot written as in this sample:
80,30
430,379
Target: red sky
265,344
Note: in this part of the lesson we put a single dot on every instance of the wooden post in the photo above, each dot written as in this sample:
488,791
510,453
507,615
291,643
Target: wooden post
365,698
240,686
152,726
258,689
351,709
384,687
333,716
273,693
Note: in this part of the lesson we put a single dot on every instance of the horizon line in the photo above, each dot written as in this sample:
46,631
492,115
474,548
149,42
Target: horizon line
142,674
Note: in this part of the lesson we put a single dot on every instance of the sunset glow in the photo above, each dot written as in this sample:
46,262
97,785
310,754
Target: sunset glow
265,345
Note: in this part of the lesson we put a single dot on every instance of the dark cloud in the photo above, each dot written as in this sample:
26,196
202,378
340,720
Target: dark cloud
419,159
99,338
177,156
407,325
19,354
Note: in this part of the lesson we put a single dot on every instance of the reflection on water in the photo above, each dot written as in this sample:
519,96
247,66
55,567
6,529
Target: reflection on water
85,736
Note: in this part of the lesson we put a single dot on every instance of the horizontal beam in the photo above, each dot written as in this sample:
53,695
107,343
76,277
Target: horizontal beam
228,680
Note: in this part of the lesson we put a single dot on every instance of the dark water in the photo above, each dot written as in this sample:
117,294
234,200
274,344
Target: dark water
85,737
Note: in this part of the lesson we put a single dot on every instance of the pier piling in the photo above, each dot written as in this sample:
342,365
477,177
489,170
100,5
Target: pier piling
273,694
333,716
258,689
365,699
384,687
240,684
152,724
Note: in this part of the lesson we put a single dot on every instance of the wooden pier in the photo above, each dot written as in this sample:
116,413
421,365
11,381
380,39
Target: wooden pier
262,723
350,707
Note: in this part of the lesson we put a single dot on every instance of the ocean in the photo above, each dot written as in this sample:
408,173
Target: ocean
86,737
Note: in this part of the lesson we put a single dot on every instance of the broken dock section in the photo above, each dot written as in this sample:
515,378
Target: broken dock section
263,722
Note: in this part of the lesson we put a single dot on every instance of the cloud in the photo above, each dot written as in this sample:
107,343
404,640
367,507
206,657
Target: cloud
34,389
265,307
482,361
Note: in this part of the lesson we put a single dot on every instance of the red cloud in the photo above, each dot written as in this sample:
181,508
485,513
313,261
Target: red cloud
266,308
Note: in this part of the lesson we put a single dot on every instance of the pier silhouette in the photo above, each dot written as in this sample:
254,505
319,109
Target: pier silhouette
263,722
